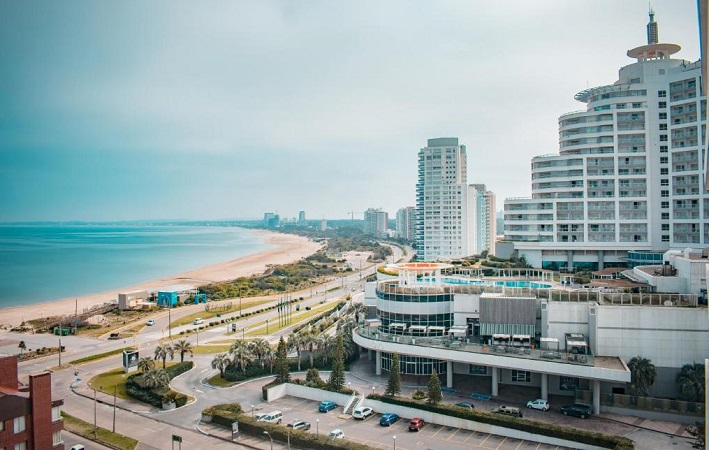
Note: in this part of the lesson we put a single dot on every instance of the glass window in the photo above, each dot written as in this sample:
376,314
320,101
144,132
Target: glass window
663,116
665,238
663,138
662,105
663,126
18,425
664,205
662,93
663,149
664,170
56,413
663,159
664,182
21,446
665,216
664,193
57,438
521,376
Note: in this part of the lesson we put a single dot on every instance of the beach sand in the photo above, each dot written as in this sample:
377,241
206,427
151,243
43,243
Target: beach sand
287,248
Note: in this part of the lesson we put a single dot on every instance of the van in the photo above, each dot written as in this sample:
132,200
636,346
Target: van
272,417
198,321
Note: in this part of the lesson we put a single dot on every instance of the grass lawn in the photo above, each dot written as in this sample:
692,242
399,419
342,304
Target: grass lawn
260,328
104,436
104,382
206,315
218,381
208,349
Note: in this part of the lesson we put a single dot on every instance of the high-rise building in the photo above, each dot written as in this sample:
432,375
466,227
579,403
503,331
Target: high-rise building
627,184
442,230
484,218
271,220
375,222
405,223
301,218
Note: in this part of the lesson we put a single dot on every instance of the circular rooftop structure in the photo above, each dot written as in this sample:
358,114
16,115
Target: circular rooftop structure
422,266
654,51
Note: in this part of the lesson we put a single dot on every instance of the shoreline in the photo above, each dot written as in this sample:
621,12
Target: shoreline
287,248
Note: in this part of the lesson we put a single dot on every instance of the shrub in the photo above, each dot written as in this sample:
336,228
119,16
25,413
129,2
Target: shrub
418,394
154,397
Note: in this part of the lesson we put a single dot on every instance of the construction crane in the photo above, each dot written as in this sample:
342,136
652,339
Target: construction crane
352,213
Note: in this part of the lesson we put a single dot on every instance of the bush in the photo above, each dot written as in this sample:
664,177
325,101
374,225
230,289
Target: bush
154,397
526,425
418,394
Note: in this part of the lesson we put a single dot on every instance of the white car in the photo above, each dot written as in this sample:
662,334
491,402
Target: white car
538,404
198,321
362,412
150,322
336,434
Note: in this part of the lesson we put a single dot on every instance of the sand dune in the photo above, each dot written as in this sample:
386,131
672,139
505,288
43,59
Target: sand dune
288,248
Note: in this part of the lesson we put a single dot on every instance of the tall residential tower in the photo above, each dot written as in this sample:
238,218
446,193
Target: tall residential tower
627,183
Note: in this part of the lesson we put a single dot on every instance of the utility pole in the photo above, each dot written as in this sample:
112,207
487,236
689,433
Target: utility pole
114,407
169,320
95,428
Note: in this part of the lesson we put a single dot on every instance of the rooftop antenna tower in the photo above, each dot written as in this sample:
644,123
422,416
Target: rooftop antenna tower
652,34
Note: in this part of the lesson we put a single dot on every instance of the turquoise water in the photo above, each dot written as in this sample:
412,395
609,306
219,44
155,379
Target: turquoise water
48,262
513,284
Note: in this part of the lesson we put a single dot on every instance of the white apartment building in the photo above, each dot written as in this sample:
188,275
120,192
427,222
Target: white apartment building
405,223
442,223
627,184
484,218
375,222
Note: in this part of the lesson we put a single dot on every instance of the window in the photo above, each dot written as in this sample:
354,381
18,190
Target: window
18,425
664,205
57,438
662,105
665,227
665,216
663,149
56,413
662,93
665,238
521,376
21,446
664,182
663,159
663,127
663,138
637,105
664,171
664,193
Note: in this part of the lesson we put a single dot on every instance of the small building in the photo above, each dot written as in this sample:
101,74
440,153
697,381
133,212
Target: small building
133,299
29,417
170,295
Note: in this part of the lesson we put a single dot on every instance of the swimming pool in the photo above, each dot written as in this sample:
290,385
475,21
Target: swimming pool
511,284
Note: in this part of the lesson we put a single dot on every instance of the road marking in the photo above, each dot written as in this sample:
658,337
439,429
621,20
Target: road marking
204,370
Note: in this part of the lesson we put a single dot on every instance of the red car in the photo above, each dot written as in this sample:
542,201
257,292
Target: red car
416,424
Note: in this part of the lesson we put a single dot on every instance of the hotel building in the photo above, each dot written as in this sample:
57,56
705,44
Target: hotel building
484,218
405,223
375,222
628,181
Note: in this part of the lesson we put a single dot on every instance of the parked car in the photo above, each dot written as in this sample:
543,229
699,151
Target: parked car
114,336
198,321
416,424
508,410
538,404
465,405
272,417
362,412
577,410
298,424
388,419
326,405
150,322
78,447
336,434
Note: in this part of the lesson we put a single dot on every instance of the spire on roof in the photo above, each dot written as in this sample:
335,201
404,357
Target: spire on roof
652,36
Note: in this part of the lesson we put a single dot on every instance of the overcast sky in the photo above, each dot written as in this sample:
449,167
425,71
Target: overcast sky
228,109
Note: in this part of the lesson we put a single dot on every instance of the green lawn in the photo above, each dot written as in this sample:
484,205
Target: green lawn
106,381
218,381
104,436
259,329
206,315
208,349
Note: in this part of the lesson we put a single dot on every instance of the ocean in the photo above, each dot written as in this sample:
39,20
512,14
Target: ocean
47,262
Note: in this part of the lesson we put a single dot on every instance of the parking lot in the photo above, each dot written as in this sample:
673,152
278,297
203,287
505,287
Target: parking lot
369,432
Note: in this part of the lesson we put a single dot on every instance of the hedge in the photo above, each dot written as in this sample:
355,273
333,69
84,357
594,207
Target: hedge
227,413
526,425
154,397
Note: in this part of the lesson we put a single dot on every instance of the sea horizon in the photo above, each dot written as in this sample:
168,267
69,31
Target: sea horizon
49,261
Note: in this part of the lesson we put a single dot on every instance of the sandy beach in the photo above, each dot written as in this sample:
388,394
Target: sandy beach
288,248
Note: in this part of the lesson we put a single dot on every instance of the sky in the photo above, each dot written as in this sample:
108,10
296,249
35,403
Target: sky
137,110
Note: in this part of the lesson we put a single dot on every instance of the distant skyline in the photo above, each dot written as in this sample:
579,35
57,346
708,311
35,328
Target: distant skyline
226,110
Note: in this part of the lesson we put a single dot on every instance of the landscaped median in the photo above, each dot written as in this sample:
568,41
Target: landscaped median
227,414
103,436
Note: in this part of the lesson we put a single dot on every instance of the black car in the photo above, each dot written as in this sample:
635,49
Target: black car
577,410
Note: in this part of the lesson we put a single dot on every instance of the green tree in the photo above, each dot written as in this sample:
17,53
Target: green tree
182,346
270,357
221,362
22,346
690,382
337,376
394,383
146,364
310,343
259,348
642,375
282,371
162,352
156,378
241,355
326,346
434,389
295,343
312,378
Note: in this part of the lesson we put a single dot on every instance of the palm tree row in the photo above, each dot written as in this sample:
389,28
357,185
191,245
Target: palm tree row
181,347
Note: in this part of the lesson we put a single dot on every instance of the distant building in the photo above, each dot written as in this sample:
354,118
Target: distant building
29,418
405,223
442,209
484,218
323,225
301,218
271,220
375,222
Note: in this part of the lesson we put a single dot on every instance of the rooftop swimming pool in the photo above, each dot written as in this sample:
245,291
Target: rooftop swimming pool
510,284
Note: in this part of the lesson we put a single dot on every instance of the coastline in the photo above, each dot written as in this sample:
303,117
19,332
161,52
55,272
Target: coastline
287,248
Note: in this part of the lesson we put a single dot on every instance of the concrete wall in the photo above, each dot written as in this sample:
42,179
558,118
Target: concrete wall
297,390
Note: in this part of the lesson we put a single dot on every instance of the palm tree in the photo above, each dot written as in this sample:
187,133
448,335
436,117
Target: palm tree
326,345
156,378
295,344
22,346
310,343
259,348
241,356
642,375
270,357
162,352
690,382
182,346
221,362
146,364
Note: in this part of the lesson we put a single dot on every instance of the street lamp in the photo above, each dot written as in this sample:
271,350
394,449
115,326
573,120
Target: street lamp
394,442
373,389
317,426
269,436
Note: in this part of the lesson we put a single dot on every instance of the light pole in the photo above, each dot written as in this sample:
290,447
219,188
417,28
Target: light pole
266,326
169,321
394,442
373,389
60,347
317,427
269,436
239,301
114,407
95,429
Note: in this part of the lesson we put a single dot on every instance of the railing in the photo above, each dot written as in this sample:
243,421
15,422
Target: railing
448,343
663,405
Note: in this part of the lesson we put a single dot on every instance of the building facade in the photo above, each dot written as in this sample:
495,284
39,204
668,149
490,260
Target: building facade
484,218
629,174
375,222
30,419
442,222
405,223
301,218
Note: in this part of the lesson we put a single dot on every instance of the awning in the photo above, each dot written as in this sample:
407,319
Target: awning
488,329
457,331
421,328
436,328
397,326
